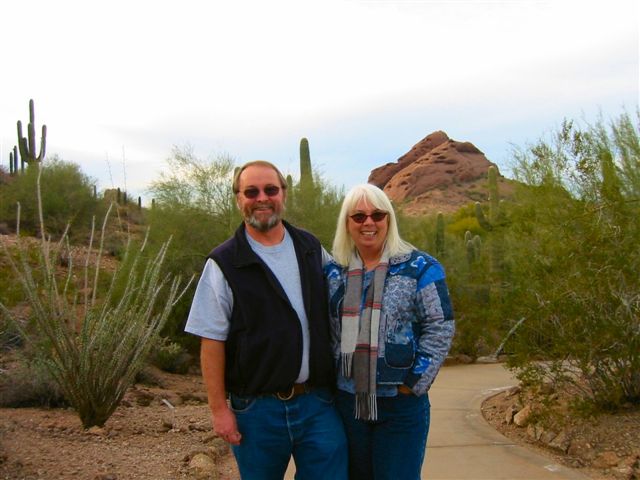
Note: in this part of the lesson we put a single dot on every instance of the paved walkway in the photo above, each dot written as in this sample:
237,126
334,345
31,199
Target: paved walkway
463,446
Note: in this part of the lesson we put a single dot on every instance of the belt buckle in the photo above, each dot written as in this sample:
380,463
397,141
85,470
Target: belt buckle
290,395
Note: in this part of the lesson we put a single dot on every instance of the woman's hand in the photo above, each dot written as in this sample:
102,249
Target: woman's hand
404,390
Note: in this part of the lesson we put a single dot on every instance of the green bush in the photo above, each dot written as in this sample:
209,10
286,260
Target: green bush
315,208
67,197
194,204
575,234
29,383
171,357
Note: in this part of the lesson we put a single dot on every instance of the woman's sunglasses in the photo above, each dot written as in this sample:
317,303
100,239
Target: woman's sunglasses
362,217
253,192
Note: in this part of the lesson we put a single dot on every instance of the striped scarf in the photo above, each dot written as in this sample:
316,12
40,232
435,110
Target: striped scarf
359,336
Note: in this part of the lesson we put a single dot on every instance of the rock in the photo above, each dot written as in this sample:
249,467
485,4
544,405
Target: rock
219,448
142,397
209,438
547,436
438,174
195,397
166,424
581,449
382,175
509,413
199,427
443,166
202,466
561,442
547,388
522,417
97,431
487,359
512,391
171,397
458,359
606,459
623,472
535,431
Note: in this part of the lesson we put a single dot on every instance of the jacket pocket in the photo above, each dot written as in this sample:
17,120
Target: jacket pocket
399,355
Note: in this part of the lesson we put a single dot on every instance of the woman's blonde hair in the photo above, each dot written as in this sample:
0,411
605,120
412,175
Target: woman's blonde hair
343,245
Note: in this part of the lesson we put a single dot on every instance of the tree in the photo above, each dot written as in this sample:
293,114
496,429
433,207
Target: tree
195,205
575,237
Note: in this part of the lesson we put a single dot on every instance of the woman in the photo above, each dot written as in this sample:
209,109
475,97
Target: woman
392,326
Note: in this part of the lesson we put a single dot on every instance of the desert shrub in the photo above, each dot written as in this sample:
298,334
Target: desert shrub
315,207
575,240
171,357
67,197
194,205
29,383
92,343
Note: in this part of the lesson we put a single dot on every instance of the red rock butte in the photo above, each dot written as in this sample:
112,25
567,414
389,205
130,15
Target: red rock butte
437,174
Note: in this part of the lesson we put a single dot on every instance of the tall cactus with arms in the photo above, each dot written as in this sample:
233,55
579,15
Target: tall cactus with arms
28,145
496,220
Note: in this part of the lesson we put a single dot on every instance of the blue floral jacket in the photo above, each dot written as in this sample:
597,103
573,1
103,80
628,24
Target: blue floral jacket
416,321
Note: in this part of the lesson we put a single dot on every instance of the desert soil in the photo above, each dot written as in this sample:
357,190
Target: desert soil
144,439
148,439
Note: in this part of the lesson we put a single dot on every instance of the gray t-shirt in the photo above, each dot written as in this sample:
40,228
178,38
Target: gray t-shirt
213,301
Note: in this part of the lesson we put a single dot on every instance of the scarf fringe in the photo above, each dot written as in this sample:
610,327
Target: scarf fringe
346,362
366,406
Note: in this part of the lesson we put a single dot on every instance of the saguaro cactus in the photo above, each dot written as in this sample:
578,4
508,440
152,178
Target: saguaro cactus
28,145
306,175
13,161
496,214
473,244
496,220
289,190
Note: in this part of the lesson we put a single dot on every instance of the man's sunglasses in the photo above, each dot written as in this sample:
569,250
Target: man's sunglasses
253,192
375,216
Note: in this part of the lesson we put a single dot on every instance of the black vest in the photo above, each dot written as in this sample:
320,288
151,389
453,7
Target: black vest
263,350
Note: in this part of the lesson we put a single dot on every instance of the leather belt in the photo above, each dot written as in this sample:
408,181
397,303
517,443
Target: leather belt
293,391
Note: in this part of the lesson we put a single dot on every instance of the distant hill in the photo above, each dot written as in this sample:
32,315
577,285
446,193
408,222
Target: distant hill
437,174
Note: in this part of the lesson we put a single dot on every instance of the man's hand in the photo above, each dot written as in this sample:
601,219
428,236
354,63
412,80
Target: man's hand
223,419
225,426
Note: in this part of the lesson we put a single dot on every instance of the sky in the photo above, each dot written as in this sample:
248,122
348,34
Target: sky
120,83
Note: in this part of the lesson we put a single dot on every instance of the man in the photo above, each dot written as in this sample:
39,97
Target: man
260,309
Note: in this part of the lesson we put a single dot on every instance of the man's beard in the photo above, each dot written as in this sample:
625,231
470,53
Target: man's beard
263,225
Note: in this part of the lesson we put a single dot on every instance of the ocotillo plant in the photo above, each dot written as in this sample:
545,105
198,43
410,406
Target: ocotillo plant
440,235
28,145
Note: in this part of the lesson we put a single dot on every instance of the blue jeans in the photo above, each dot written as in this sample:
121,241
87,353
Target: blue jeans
307,427
391,447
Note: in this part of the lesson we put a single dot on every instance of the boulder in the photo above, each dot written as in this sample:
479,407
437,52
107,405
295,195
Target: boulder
522,417
202,466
